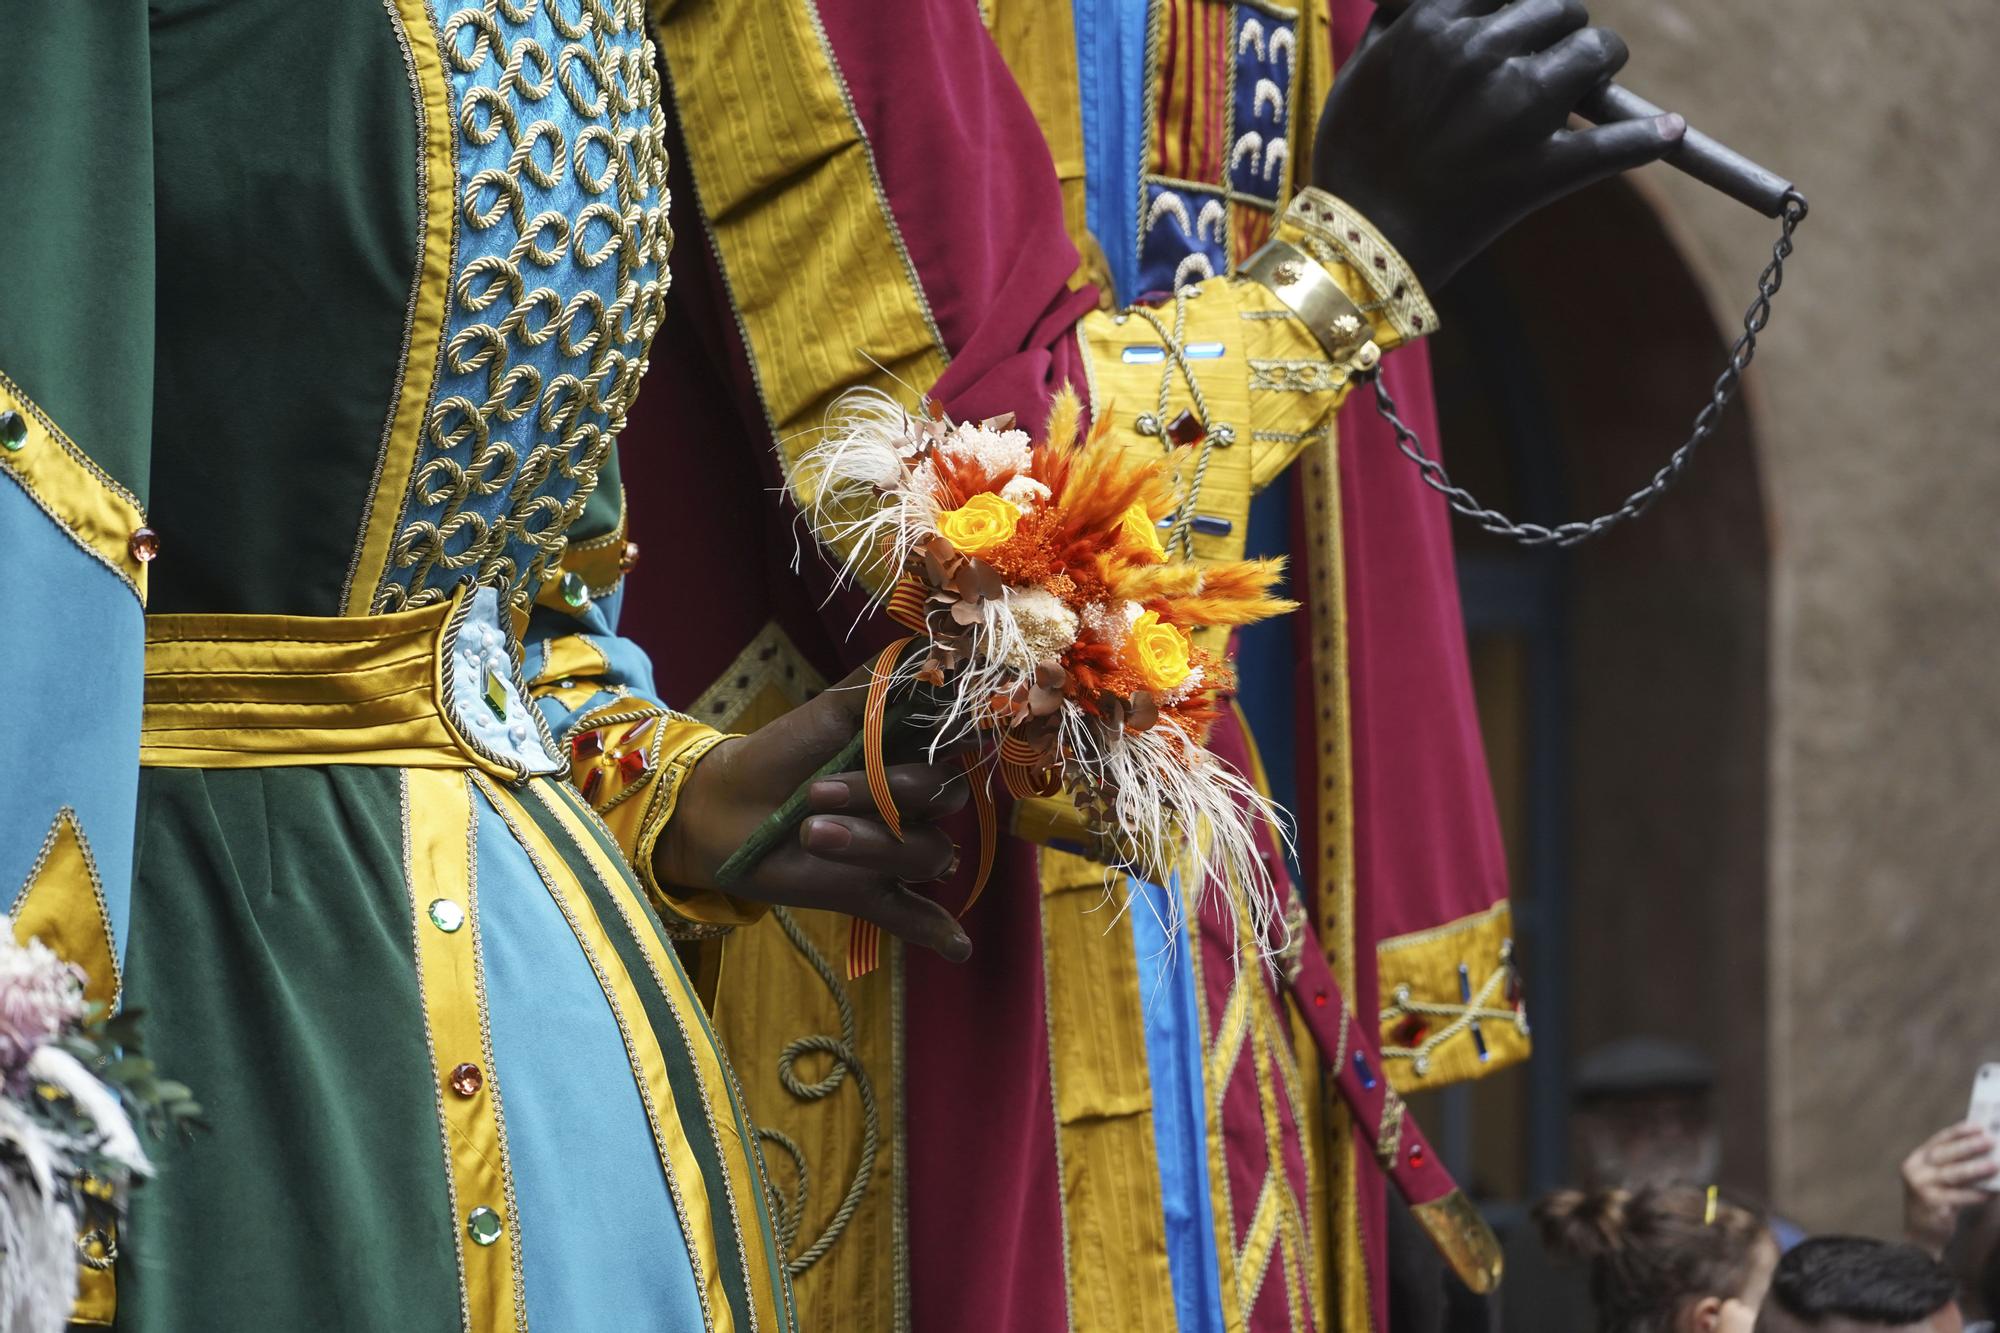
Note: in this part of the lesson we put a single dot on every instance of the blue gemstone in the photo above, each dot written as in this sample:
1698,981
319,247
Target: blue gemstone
1363,1072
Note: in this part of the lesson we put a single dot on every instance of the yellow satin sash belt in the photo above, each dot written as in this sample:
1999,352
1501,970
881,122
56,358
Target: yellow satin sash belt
242,691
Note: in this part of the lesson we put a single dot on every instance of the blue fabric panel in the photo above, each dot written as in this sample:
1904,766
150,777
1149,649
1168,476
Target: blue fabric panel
1267,654
1111,71
1182,240
1180,1117
628,665
602,1250
550,269
1264,50
69,719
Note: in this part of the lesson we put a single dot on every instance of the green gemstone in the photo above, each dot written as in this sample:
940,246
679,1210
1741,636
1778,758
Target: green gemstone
574,592
496,694
446,915
13,431
483,1225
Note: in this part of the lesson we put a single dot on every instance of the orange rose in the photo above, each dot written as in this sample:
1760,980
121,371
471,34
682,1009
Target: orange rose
1145,534
981,524
1158,652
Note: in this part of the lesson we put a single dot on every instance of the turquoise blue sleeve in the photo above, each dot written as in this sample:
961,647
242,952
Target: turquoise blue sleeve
76,389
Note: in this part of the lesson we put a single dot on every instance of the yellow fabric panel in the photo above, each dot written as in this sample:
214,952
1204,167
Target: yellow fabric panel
429,297
572,657
438,826
82,498
1332,877
62,905
788,185
1036,40
792,1024
230,691
1113,1219
1273,387
721,1101
1419,977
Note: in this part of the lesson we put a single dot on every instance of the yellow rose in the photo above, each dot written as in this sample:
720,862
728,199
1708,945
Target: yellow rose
980,525
1158,652
1138,525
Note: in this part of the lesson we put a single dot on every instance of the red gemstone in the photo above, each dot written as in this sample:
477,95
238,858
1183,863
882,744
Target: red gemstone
1417,1155
633,765
144,545
1319,999
586,745
638,730
1411,1030
593,782
629,557
1186,429
466,1080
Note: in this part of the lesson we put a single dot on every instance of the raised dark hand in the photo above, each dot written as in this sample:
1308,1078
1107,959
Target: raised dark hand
845,859
1451,123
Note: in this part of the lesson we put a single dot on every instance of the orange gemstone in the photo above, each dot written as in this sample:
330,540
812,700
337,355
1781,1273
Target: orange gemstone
466,1080
144,545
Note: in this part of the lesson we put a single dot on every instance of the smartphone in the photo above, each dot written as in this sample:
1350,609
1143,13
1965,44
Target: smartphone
1985,1112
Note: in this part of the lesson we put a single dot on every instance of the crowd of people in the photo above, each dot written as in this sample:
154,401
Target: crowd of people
1647,1243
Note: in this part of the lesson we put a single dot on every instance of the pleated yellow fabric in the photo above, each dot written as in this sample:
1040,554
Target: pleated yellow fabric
231,691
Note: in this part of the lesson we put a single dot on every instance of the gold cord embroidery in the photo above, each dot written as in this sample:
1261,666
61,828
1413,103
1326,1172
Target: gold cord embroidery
558,289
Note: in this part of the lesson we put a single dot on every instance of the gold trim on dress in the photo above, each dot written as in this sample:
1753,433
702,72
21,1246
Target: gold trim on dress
441,869
721,1100
80,497
437,185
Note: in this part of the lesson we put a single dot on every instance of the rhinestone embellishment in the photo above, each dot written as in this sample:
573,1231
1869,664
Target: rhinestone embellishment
484,1226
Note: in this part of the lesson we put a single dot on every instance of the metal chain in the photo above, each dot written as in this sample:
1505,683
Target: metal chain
1726,386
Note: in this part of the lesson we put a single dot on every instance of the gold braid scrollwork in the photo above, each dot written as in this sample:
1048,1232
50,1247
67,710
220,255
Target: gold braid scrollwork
788,1215
559,286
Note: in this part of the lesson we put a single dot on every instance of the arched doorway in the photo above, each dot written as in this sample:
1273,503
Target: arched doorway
1623,688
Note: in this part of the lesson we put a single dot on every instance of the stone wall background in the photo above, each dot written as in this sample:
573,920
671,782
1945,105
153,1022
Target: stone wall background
1880,430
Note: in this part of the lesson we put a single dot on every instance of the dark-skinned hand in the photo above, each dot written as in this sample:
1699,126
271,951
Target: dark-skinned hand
1451,123
845,858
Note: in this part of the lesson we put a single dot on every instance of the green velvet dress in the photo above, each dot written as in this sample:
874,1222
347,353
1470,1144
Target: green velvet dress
317,326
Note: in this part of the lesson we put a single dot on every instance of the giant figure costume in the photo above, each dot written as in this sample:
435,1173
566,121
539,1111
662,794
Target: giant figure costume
1093,1125
317,323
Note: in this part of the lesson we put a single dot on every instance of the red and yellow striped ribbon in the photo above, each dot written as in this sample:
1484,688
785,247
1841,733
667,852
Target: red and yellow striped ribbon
989,830
906,604
872,760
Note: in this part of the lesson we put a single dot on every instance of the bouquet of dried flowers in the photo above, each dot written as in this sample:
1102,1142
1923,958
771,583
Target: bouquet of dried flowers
73,1082
1050,624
